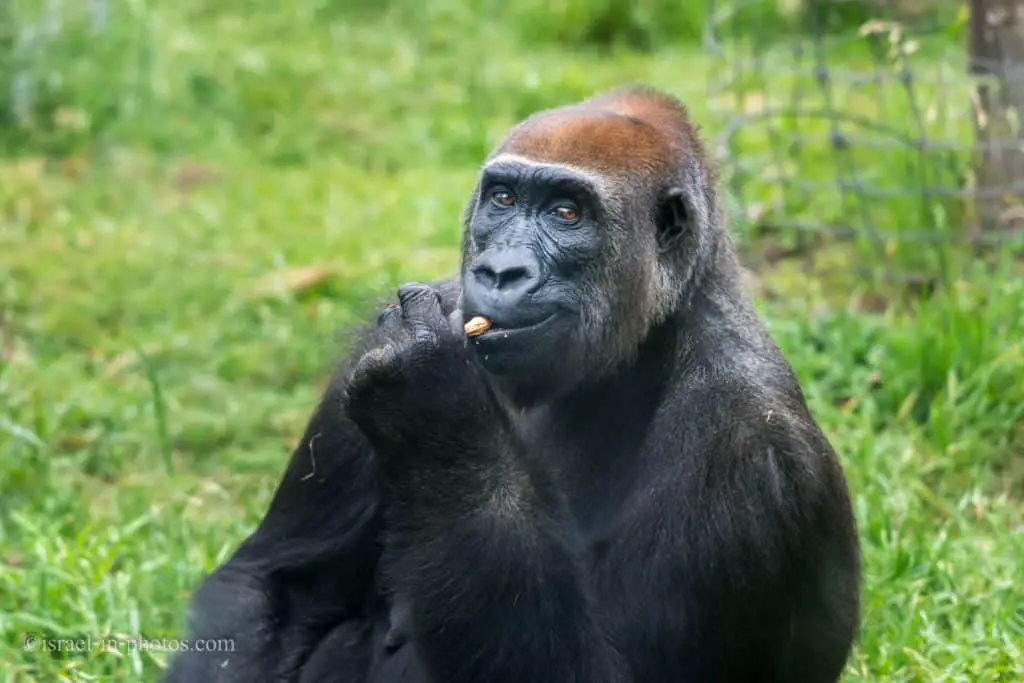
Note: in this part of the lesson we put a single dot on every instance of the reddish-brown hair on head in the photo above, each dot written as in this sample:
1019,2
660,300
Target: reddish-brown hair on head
629,129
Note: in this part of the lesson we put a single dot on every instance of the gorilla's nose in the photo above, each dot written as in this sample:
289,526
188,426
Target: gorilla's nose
506,273
500,281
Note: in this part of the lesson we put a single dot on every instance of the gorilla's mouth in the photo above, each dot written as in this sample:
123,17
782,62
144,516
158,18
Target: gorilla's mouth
517,350
498,332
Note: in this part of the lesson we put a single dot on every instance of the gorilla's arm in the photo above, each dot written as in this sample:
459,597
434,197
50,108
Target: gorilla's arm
743,544
274,598
480,544
493,567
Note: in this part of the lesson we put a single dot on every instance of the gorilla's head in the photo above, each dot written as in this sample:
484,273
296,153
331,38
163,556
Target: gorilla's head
588,226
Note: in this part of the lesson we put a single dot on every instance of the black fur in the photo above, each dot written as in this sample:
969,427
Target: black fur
645,500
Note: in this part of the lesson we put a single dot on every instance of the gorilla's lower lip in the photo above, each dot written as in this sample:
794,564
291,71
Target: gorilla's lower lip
497,333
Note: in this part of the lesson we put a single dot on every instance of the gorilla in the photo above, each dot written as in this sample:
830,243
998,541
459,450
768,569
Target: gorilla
618,482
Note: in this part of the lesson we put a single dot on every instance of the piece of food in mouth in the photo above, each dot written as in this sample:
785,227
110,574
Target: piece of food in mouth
477,326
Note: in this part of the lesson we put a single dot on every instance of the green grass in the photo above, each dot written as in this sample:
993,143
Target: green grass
157,363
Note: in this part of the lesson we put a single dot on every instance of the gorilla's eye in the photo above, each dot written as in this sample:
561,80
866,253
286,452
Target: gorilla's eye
503,198
567,213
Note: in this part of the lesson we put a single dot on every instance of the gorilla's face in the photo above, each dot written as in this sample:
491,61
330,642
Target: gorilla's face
546,267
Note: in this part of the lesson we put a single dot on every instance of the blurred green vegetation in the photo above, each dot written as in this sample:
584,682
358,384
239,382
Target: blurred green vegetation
217,72
198,196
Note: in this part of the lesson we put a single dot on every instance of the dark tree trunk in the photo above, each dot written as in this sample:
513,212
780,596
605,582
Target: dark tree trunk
997,55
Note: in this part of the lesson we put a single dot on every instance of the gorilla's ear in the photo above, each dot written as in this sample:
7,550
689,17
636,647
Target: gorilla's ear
673,217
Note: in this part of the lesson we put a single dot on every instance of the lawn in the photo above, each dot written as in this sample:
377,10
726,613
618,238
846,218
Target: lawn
225,190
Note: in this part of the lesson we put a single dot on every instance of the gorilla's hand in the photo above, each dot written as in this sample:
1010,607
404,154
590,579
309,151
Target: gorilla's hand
417,384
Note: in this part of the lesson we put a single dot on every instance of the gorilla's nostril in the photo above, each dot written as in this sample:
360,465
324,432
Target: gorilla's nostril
512,276
505,278
485,276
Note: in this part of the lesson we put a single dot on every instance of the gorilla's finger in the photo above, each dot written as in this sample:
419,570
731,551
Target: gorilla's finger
451,294
421,306
391,326
411,292
374,366
389,314
455,324
377,358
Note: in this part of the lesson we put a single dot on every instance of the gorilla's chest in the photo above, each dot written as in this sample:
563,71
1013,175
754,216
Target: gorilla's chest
593,468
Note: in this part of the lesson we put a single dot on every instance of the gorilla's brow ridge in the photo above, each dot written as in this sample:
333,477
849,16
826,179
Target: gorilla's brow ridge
550,175
592,180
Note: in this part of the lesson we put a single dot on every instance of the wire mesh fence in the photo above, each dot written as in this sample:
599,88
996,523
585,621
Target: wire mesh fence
878,137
